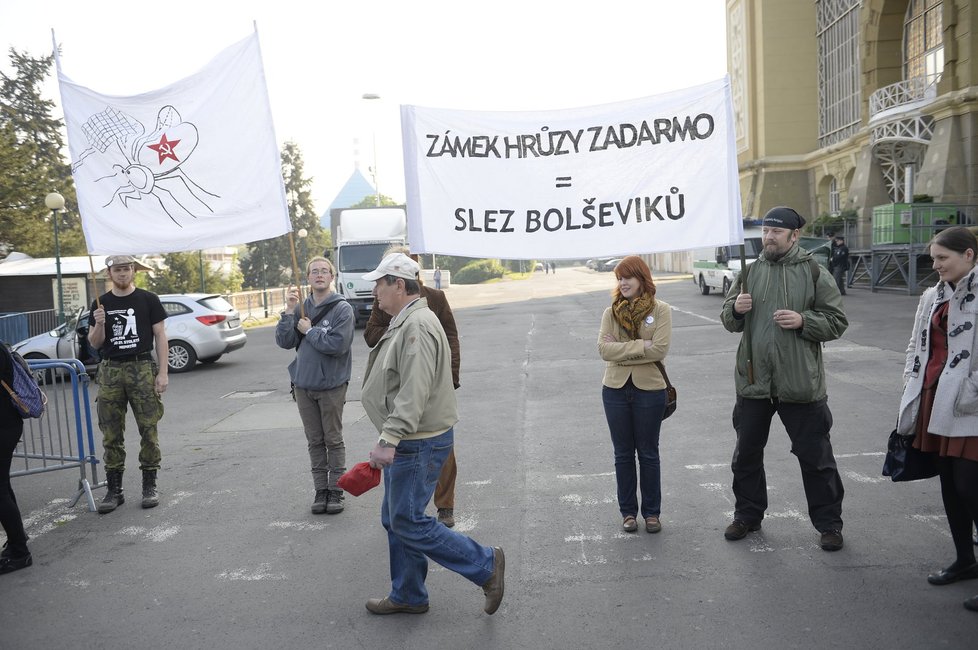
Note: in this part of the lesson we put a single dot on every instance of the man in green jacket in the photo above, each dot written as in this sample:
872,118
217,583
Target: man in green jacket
786,311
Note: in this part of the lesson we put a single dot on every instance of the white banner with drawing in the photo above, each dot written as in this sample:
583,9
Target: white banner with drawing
642,176
189,166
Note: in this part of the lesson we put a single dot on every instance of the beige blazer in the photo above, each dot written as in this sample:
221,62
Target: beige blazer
629,357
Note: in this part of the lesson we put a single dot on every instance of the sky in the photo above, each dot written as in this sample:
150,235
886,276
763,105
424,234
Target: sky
320,59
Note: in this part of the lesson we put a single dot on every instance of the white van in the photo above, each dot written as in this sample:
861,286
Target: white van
718,268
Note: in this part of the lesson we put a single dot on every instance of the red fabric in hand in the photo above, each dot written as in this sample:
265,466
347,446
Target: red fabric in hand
359,478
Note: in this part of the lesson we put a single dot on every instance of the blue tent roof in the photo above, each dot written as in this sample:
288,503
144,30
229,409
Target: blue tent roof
356,189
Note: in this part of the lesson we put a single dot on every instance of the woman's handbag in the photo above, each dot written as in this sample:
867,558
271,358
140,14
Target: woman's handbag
905,463
670,392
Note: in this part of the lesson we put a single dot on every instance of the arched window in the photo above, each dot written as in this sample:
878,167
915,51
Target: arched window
834,202
923,41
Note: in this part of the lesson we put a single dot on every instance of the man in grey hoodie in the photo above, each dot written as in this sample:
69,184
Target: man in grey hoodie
321,334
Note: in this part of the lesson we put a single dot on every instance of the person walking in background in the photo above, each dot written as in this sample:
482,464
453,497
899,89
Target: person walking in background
15,554
839,263
322,337
635,334
377,326
786,309
437,278
124,325
939,407
408,396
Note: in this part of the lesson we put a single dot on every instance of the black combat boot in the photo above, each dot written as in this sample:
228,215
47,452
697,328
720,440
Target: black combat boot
150,498
334,502
113,495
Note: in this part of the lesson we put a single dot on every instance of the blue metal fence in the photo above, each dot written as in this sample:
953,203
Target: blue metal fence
63,437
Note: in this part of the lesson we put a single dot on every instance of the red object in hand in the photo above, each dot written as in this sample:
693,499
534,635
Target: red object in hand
359,478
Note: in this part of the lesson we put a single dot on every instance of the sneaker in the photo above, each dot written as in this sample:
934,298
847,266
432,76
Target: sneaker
738,529
319,503
831,540
334,502
446,516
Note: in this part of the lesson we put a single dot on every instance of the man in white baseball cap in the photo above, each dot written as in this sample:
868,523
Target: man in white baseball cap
409,396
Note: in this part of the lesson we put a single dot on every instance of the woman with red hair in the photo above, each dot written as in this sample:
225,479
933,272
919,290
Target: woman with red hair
635,333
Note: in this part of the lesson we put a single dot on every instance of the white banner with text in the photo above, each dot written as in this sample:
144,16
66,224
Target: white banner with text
642,176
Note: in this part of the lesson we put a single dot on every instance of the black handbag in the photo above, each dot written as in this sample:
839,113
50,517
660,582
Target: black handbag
670,392
905,463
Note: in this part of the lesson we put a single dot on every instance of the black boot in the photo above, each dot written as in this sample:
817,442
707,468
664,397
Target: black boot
150,498
319,503
334,502
113,496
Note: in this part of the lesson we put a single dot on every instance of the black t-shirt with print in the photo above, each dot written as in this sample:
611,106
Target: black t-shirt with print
129,322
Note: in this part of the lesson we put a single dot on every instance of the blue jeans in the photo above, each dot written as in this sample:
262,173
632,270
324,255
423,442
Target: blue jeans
412,535
634,417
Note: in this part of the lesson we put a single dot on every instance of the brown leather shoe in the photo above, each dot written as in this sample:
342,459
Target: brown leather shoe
652,525
628,524
494,586
738,529
383,606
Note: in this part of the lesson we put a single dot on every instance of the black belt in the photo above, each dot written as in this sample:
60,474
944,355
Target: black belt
129,358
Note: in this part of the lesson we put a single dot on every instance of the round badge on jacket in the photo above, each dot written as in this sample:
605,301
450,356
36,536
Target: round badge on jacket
649,319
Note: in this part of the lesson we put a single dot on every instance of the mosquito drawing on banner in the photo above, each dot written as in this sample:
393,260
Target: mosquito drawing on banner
151,167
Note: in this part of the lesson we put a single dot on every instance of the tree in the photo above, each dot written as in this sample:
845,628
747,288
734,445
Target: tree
277,252
31,164
181,274
371,201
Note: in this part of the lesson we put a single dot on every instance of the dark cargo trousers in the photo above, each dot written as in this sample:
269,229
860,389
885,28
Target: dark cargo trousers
808,428
131,383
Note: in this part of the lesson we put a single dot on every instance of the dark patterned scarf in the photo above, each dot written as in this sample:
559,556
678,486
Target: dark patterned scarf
631,314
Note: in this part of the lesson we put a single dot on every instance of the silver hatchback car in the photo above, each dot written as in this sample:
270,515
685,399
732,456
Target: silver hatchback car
199,327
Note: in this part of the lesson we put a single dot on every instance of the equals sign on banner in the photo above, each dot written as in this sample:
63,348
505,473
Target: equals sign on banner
563,181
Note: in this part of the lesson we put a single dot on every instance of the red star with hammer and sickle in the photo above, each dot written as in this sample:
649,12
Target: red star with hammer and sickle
165,148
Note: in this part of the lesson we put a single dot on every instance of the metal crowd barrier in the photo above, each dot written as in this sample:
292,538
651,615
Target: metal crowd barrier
62,438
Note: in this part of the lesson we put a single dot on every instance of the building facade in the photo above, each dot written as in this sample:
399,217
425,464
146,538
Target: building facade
843,105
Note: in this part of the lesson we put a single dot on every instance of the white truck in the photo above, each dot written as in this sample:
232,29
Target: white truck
360,237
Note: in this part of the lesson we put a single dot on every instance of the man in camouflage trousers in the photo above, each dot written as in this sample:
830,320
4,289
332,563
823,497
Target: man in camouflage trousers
124,324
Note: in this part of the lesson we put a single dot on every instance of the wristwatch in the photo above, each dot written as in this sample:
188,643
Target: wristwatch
384,443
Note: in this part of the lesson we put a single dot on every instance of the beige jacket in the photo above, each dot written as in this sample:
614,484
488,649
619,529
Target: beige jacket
629,358
407,388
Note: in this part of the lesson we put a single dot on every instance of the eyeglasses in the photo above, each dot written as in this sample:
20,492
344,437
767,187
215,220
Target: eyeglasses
320,272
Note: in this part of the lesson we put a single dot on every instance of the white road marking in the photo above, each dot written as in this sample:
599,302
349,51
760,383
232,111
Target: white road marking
155,534
297,525
862,478
261,573
570,477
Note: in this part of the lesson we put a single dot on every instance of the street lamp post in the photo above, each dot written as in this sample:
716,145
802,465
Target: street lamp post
370,96
56,203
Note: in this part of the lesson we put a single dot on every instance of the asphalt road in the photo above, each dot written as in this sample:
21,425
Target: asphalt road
232,558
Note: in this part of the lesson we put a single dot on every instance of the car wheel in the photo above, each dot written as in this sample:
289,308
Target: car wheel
181,357
210,359
726,285
705,290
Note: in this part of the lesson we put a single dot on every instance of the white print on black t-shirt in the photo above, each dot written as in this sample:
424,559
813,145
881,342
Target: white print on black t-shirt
123,328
